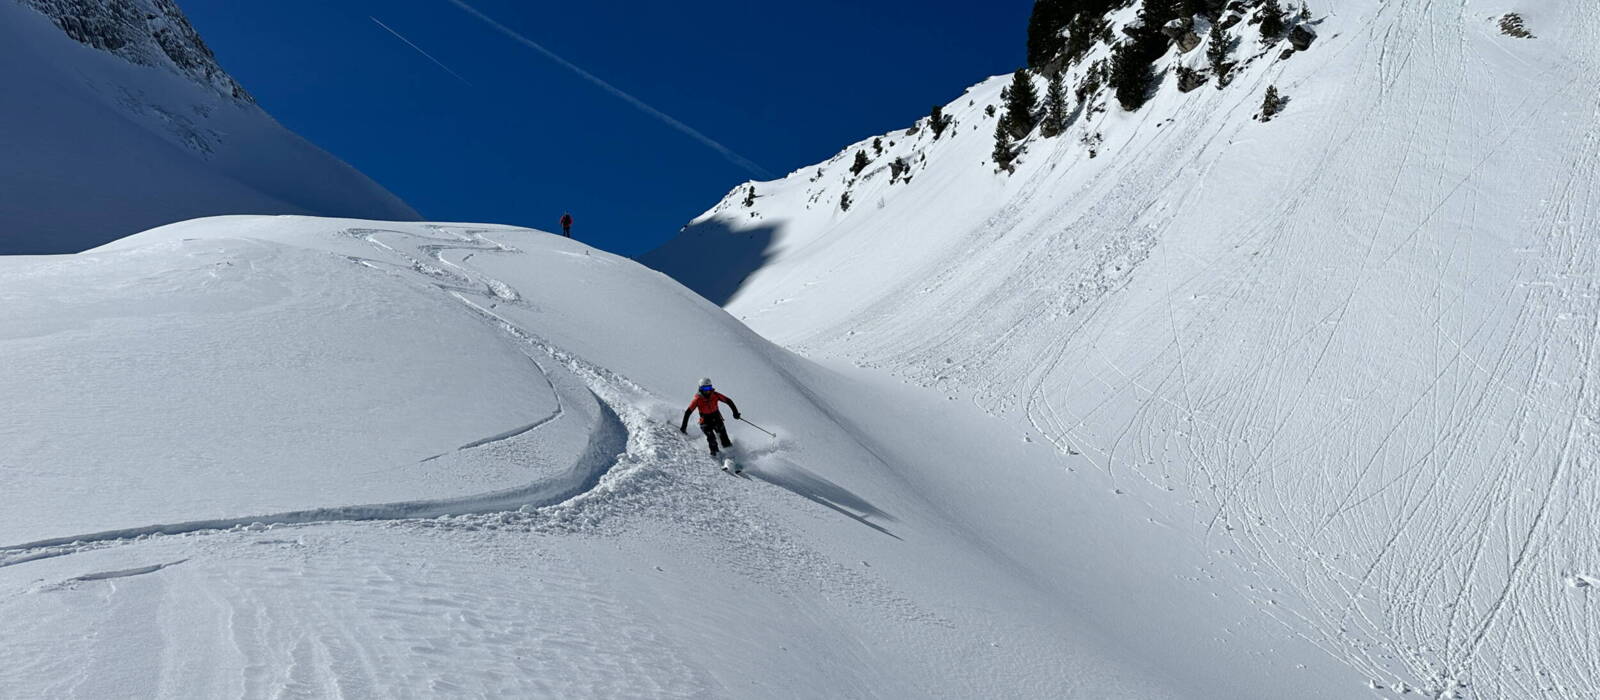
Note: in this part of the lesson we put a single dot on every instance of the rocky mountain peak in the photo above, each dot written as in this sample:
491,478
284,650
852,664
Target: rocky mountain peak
143,32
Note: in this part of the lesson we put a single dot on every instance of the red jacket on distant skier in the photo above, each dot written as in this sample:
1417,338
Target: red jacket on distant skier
566,225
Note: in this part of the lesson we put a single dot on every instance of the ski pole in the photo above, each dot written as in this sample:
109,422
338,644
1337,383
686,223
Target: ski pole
764,430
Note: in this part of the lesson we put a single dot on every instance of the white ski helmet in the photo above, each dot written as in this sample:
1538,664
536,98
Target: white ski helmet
705,382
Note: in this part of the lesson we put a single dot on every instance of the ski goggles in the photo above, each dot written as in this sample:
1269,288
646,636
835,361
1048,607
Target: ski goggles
707,388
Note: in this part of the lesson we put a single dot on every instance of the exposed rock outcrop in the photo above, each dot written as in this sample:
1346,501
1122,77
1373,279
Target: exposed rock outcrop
1301,36
144,32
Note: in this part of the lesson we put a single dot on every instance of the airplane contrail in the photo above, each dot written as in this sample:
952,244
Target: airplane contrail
687,130
436,61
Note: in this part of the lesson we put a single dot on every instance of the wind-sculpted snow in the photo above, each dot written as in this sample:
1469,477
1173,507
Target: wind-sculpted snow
1358,341
473,431
573,401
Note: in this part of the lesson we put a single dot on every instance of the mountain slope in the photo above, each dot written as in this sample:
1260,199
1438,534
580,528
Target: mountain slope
118,119
293,456
1358,339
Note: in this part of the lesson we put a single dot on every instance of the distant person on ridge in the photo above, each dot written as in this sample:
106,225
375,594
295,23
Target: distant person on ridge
710,418
566,225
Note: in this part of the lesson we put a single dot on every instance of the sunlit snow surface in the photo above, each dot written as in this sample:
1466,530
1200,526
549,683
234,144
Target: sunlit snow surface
1358,342
282,456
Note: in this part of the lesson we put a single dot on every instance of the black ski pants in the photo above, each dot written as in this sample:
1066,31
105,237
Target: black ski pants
712,425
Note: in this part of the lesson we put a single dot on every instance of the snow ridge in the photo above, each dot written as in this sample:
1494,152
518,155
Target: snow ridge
606,441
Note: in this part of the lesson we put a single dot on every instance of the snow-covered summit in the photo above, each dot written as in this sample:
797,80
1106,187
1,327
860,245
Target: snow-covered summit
118,118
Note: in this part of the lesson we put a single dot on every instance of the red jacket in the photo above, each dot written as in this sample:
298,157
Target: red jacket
707,404
566,219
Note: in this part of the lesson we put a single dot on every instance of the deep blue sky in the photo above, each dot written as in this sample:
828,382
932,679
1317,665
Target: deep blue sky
785,84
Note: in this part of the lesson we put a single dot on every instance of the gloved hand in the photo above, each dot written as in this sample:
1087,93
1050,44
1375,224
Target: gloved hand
736,415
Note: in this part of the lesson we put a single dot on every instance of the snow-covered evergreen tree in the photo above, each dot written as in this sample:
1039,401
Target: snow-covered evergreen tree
1272,20
1021,101
1131,76
1219,46
1055,106
937,121
1004,153
1272,104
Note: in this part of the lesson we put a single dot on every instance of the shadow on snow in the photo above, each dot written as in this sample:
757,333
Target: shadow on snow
712,259
818,489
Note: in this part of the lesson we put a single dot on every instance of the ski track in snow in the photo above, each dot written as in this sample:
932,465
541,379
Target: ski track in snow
606,442
1368,411
636,470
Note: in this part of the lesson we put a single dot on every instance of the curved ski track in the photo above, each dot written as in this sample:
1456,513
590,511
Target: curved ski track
614,396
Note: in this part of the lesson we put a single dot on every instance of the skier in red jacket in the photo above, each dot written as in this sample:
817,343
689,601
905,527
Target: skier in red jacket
710,418
566,224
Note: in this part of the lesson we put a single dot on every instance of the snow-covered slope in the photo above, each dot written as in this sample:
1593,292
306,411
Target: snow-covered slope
117,118
286,456
1357,341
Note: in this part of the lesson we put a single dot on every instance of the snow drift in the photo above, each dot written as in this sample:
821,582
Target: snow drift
283,455
1358,340
117,118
